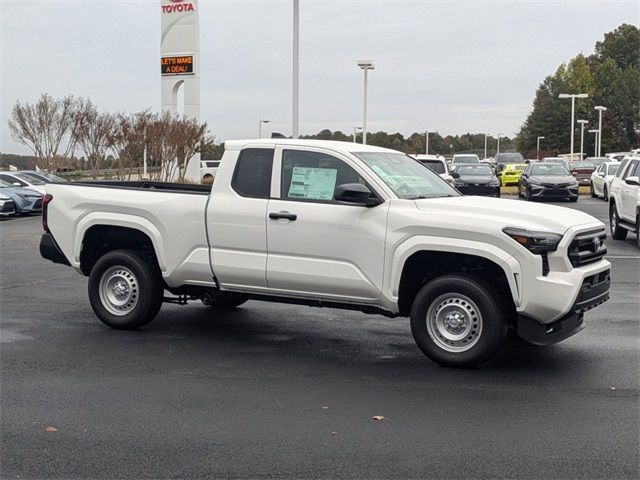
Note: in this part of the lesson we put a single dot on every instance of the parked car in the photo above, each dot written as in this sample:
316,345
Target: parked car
548,180
508,158
555,160
476,179
510,174
44,176
7,207
334,224
438,164
601,179
617,156
25,200
464,158
208,170
582,171
624,200
18,179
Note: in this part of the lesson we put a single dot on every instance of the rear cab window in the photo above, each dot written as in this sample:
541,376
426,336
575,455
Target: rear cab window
252,175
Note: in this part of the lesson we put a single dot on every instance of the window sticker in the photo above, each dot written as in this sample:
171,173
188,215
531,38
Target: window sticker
313,183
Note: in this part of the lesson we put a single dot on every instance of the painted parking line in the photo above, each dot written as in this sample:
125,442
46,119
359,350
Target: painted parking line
623,257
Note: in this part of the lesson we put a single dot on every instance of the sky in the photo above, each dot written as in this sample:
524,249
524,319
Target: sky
447,66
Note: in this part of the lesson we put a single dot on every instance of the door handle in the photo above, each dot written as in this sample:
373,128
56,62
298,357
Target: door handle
286,215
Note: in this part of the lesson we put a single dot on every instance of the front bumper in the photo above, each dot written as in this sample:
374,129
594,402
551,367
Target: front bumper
7,207
507,180
593,292
548,191
484,190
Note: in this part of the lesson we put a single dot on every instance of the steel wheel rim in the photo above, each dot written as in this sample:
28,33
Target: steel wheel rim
118,290
454,322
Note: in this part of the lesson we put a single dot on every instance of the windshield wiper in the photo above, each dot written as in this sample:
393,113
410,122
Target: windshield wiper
420,197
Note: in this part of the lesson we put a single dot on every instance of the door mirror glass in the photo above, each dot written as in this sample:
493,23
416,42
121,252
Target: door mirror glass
355,194
455,174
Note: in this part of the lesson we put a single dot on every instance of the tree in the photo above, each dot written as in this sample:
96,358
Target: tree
93,135
127,138
47,128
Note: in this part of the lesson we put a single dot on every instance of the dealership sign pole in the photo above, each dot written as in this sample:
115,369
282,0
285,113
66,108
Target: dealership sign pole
180,63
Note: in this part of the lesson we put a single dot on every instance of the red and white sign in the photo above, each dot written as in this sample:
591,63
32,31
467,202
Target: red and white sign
178,6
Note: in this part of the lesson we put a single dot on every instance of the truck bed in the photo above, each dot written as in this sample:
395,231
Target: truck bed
145,185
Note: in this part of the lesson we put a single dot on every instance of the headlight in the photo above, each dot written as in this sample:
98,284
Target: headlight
22,196
535,242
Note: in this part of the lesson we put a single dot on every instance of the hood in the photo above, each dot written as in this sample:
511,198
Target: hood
467,211
481,179
554,179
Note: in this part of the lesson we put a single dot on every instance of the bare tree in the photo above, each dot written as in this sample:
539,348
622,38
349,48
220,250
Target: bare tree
92,134
47,127
127,138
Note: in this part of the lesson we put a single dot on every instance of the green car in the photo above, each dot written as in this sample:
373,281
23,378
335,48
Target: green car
511,174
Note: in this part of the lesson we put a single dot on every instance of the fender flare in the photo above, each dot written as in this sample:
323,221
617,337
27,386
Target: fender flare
114,219
502,258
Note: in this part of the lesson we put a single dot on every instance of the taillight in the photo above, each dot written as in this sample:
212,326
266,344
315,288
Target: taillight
45,203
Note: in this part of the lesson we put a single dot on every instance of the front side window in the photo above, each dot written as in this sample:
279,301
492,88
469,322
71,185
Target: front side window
29,179
10,179
406,176
252,177
313,176
631,171
612,169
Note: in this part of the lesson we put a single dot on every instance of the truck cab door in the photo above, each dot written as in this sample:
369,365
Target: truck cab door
318,246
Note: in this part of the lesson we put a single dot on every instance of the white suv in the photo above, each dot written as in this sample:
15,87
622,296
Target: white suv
624,200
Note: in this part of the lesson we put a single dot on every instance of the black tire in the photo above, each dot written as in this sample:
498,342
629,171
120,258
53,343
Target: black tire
222,301
592,191
617,232
141,281
605,194
481,304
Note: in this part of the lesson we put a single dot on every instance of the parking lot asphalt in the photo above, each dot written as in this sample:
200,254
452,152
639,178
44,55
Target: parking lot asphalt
274,390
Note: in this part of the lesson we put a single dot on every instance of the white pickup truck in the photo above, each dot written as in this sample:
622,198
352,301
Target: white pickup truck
340,225
624,200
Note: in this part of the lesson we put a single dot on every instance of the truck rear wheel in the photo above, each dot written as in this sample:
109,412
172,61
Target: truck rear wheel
125,289
457,322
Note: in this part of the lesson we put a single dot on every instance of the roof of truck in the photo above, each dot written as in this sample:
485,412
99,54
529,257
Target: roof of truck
329,144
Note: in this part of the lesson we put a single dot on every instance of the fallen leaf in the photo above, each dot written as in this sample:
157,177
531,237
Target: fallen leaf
612,388
324,407
377,418
333,433
51,429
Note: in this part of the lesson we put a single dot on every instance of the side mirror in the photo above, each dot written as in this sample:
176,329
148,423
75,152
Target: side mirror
600,174
633,181
455,174
355,194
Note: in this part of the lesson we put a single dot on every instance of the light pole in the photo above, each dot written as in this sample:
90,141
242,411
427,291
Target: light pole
538,148
365,65
485,144
600,109
355,132
260,122
573,97
426,148
582,124
296,69
498,149
595,142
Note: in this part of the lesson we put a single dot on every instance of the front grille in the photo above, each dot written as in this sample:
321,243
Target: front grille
8,207
587,247
545,264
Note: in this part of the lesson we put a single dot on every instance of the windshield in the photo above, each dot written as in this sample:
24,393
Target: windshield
435,165
474,170
509,158
551,169
44,176
29,179
583,165
407,177
466,159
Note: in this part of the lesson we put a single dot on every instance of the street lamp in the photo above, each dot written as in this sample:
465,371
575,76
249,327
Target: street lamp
355,132
260,122
595,142
600,109
365,65
296,69
485,144
573,97
426,148
498,149
582,124
538,148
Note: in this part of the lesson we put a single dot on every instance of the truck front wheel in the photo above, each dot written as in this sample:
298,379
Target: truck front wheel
617,232
457,322
125,289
